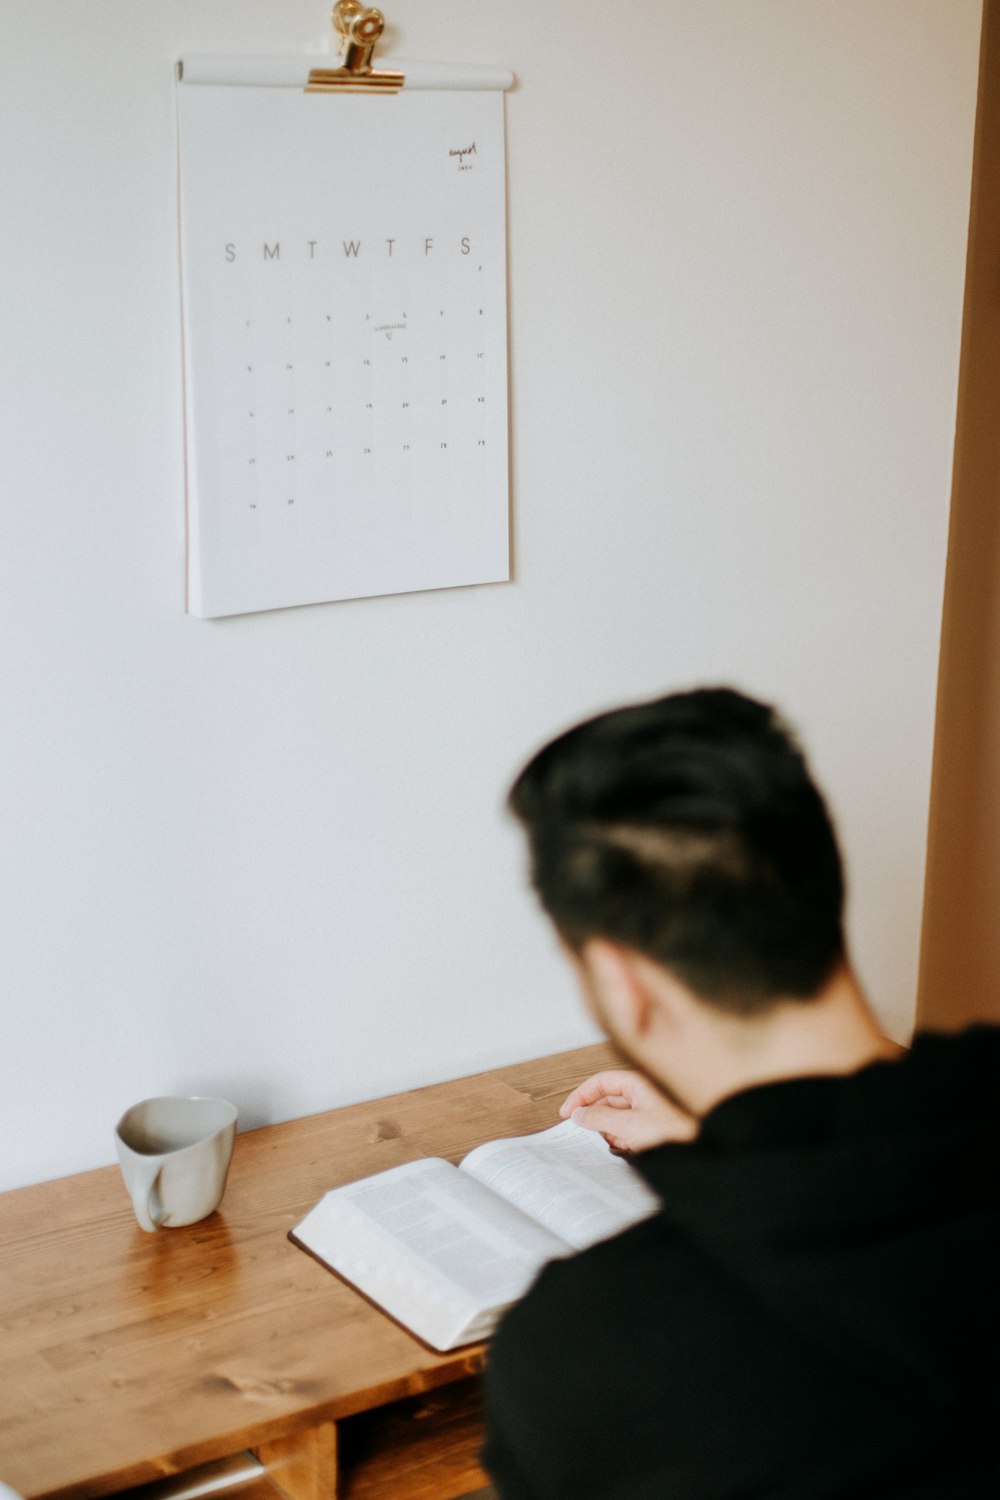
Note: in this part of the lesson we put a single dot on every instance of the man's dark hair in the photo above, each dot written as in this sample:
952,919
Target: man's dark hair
690,830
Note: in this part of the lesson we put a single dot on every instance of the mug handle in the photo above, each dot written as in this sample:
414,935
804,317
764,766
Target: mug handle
145,1198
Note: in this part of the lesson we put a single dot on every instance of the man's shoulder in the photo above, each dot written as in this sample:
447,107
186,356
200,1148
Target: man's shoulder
597,1327
595,1288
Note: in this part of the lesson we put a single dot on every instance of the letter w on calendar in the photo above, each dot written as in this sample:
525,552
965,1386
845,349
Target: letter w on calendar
345,331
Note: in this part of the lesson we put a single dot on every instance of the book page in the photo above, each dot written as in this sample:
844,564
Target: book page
430,1244
566,1179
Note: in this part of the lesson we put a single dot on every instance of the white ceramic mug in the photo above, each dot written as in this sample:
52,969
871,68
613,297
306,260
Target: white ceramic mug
175,1156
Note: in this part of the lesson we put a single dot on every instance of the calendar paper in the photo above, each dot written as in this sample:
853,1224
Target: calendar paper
344,277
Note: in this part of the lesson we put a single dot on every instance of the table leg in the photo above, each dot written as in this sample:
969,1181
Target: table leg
304,1465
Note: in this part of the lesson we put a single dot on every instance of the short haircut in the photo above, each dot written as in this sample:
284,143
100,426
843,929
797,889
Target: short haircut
689,829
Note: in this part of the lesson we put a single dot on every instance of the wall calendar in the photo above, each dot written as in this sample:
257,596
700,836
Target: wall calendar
343,268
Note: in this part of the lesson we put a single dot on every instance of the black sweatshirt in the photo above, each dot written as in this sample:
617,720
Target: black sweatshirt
813,1313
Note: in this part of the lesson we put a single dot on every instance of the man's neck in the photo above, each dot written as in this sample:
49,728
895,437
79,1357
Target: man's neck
833,1033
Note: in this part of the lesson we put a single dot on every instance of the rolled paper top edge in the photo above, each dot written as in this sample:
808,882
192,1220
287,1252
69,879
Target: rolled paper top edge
292,71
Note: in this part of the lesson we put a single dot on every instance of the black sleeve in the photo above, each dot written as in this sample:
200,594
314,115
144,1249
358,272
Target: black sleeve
502,1456
503,1468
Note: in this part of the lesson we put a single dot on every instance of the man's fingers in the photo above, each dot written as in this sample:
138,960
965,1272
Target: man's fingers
613,1084
603,1117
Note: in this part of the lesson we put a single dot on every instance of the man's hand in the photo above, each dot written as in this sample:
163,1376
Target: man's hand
628,1110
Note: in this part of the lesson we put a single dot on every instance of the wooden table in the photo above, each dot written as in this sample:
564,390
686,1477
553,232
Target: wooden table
126,1357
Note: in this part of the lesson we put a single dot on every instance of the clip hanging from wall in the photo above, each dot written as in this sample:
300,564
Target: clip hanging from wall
360,27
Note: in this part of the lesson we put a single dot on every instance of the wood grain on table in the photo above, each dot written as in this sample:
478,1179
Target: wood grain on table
127,1356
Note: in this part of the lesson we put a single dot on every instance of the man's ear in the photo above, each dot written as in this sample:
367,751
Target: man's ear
620,985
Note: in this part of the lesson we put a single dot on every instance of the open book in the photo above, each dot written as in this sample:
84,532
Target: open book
445,1250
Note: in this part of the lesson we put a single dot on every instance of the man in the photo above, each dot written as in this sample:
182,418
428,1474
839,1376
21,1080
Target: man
813,1312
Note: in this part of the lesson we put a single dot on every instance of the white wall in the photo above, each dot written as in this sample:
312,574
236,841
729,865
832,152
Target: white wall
266,856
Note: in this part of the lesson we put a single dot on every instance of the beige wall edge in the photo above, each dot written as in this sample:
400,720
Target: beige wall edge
960,958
